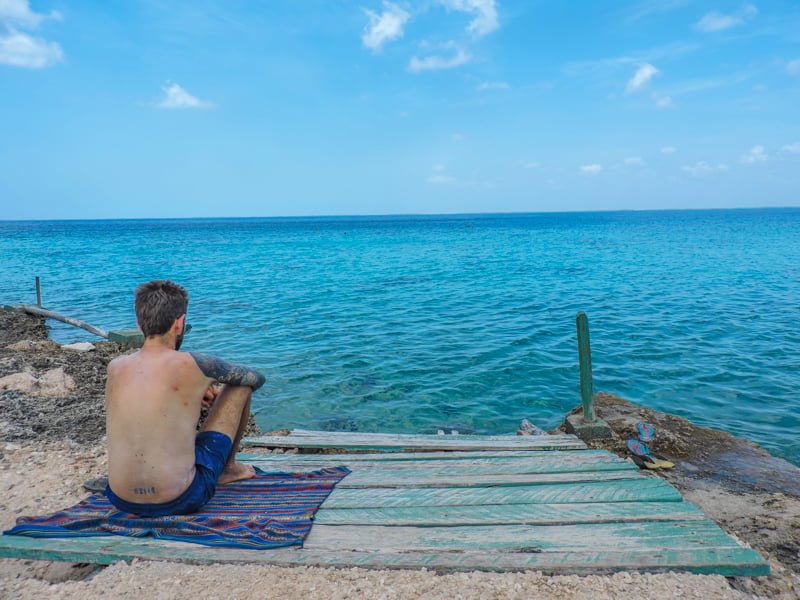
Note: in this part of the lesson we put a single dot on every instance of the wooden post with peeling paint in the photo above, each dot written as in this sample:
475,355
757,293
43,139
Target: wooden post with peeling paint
38,291
585,362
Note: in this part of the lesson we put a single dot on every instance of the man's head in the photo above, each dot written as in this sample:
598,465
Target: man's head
159,304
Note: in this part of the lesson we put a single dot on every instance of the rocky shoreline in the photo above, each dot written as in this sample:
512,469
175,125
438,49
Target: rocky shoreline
51,439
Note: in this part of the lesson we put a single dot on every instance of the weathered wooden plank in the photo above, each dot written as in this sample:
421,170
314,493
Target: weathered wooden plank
510,514
443,479
660,535
644,489
407,469
400,457
421,436
346,440
723,561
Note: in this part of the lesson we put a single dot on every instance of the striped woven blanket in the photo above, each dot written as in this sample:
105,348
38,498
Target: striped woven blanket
268,511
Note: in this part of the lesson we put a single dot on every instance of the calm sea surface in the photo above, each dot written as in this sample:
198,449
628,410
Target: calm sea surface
412,324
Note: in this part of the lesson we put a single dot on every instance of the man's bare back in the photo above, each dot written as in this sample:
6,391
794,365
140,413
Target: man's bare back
153,403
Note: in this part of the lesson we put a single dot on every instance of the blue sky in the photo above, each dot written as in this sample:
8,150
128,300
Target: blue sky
253,108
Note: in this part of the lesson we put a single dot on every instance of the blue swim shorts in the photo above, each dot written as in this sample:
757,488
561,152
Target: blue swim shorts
211,451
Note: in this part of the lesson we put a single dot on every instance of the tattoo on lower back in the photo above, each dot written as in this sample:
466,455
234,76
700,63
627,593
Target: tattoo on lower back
225,372
144,491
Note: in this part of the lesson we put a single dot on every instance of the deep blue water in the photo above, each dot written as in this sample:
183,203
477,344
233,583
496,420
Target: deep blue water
411,324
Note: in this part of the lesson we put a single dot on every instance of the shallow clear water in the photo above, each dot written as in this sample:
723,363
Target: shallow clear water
411,324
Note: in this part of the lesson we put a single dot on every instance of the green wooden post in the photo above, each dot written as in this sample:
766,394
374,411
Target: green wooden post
585,361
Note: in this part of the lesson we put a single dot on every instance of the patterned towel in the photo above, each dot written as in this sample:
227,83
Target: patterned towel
268,511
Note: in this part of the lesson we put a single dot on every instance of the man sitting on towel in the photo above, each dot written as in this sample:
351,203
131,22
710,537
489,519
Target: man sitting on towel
158,464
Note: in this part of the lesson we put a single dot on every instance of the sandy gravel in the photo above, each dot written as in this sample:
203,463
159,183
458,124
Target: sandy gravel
37,479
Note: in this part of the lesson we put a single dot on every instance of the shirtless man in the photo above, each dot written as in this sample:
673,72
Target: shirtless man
158,464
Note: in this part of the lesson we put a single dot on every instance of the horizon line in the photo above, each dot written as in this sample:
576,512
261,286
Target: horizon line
390,215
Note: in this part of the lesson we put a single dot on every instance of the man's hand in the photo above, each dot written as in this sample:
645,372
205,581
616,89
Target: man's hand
211,394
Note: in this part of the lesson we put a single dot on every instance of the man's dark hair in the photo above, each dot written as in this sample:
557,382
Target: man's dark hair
158,304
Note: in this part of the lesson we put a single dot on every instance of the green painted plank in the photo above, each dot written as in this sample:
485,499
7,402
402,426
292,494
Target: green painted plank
507,466
729,562
644,489
406,437
531,514
442,479
400,457
659,535
421,442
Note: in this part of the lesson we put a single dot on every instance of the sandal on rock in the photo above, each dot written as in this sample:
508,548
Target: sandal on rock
646,432
641,450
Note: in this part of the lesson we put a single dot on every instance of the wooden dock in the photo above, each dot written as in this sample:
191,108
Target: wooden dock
457,502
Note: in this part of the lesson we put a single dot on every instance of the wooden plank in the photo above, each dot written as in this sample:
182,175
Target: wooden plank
433,443
531,514
471,466
660,535
728,562
405,437
645,489
384,479
400,457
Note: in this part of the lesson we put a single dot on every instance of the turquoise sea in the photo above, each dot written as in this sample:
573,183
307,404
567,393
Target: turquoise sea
419,323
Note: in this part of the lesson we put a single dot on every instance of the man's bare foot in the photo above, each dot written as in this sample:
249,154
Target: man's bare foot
236,472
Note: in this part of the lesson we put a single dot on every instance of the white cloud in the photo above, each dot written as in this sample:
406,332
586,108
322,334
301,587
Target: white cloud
593,169
440,179
485,14
384,27
669,150
18,13
492,85
175,97
756,154
716,21
20,49
641,78
458,137
437,63
793,67
664,101
634,161
704,168
650,7
438,168
531,165
792,148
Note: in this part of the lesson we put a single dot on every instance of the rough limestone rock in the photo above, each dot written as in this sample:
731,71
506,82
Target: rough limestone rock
54,382
79,347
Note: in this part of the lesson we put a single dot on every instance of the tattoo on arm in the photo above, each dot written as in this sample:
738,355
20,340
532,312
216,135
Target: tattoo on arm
225,372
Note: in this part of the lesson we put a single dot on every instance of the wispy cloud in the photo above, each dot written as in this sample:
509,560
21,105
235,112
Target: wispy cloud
593,169
440,179
492,85
485,19
641,78
663,101
175,97
21,49
653,7
384,27
18,13
668,150
436,62
793,67
704,168
531,165
716,21
756,154
634,161
792,148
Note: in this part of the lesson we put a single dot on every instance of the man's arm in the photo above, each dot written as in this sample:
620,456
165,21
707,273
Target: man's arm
225,372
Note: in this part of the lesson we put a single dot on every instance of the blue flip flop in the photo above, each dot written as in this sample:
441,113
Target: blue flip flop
647,432
652,461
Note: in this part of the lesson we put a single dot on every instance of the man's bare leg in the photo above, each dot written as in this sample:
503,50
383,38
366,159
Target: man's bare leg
229,415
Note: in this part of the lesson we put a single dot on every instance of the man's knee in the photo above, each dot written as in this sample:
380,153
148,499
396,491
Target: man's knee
236,394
